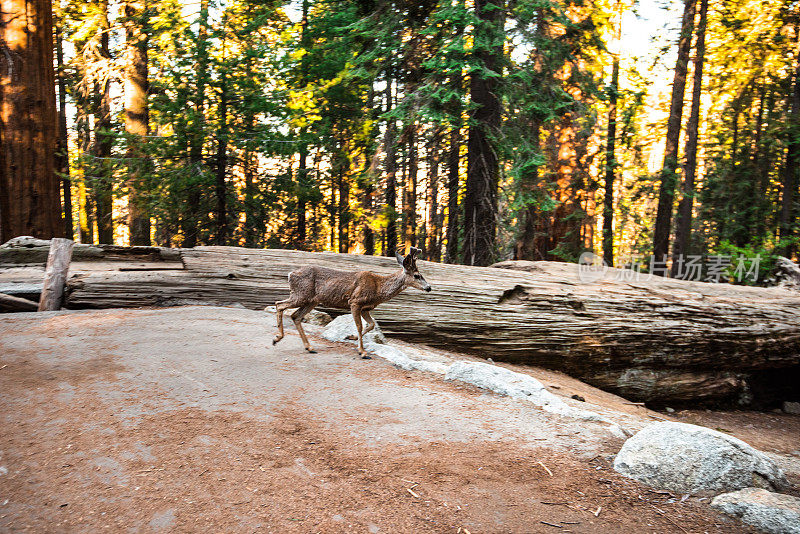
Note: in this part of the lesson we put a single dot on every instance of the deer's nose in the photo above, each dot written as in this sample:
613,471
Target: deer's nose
428,289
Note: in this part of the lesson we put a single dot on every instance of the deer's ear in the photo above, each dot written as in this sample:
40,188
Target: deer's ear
408,263
415,251
399,258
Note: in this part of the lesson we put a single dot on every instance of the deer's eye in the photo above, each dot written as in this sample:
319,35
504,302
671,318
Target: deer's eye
417,276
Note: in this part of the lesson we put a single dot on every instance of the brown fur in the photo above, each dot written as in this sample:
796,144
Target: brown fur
358,292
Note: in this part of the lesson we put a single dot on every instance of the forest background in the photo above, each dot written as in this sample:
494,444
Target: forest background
477,130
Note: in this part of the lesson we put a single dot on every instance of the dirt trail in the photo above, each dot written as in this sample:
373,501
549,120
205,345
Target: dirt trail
188,419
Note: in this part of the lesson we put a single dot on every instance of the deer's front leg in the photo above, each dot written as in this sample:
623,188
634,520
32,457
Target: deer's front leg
356,311
279,307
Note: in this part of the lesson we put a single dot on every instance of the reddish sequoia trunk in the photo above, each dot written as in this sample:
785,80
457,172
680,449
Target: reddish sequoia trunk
30,199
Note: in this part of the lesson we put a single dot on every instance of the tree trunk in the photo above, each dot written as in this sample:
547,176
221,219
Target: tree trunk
432,251
136,119
302,170
62,147
102,186
454,160
650,338
247,162
789,182
480,201
344,206
30,196
410,189
453,180
525,247
391,177
683,223
669,177
611,167
222,155
190,222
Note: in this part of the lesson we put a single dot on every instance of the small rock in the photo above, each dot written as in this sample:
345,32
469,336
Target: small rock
670,410
791,407
770,512
685,458
578,398
318,318
343,327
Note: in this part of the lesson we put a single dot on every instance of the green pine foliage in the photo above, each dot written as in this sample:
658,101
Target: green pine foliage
270,125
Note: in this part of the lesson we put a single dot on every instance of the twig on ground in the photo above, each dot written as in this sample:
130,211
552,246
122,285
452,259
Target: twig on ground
413,493
597,512
665,516
545,468
550,524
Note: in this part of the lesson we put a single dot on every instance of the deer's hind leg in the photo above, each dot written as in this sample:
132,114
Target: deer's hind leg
370,321
297,317
356,311
280,306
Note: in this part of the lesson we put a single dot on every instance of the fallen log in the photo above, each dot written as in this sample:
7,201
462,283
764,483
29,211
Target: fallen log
29,250
10,303
658,340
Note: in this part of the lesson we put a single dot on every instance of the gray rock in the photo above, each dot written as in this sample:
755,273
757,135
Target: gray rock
521,386
770,512
344,329
693,459
791,407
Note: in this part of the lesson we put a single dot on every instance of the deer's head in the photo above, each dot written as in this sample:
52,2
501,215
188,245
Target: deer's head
409,264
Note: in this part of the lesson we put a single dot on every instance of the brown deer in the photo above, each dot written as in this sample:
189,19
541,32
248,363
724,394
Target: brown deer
358,291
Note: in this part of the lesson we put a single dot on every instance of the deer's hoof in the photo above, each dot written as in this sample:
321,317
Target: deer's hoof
275,340
351,337
311,351
366,357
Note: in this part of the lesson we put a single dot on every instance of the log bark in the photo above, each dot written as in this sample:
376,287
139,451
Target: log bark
28,250
55,277
658,340
16,304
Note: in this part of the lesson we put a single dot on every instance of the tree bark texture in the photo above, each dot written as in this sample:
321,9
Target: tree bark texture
62,147
611,167
55,276
480,201
30,196
790,169
103,139
660,340
136,118
666,192
390,143
683,223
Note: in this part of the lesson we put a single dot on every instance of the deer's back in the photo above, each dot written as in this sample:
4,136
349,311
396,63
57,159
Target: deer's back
327,287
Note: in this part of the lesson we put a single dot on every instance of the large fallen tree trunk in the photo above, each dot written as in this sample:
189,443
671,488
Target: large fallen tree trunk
658,340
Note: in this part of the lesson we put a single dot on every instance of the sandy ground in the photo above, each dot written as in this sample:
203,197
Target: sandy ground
187,419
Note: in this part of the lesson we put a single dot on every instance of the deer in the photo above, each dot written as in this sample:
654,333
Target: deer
360,292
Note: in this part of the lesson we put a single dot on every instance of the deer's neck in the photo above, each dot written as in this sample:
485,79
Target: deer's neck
392,285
